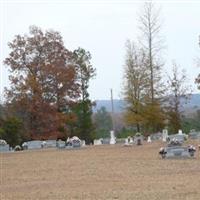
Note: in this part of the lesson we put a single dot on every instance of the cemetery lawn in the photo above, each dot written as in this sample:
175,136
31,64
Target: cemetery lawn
98,172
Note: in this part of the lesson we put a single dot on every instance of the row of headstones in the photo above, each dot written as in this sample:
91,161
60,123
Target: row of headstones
138,139
164,136
128,141
180,136
38,144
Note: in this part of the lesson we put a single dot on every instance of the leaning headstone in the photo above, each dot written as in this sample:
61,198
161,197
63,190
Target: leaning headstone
4,147
164,135
112,137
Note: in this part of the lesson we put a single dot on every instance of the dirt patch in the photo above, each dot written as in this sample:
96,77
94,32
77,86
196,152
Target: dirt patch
98,172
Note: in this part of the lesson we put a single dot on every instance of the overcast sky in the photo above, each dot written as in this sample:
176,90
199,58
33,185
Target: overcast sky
102,27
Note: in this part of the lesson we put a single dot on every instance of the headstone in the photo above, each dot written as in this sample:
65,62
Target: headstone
128,141
180,132
120,140
156,136
194,135
164,135
98,142
83,143
61,144
25,146
50,143
4,147
149,139
179,137
43,144
17,148
112,137
106,141
3,142
131,140
174,142
34,144
76,142
177,152
138,139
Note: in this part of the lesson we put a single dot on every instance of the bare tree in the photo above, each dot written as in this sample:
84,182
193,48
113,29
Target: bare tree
150,38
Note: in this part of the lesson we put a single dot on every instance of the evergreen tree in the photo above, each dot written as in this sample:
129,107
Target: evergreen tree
83,108
103,122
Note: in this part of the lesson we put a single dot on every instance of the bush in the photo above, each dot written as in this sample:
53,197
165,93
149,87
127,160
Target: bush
11,131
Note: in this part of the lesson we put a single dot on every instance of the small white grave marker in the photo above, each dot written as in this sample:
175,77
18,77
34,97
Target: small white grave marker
112,137
164,135
149,139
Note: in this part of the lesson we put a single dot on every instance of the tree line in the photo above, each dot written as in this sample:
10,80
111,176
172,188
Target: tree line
153,99
49,87
48,95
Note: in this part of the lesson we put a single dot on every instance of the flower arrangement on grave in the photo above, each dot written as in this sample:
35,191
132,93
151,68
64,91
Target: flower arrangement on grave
3,142
191,150
138,134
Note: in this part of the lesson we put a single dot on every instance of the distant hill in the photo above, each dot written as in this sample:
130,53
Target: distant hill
118,105
191,106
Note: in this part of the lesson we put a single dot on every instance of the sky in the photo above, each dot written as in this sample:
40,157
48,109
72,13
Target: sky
102,27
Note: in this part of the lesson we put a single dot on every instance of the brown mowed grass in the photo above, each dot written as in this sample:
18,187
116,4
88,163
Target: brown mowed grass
98,172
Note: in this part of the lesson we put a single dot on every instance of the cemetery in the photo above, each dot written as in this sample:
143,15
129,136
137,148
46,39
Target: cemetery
62,136
102,171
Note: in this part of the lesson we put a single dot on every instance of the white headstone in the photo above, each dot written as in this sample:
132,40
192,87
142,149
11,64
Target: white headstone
164,135
112,137
83,143
149,139
131,140
98,142
180,132
126,142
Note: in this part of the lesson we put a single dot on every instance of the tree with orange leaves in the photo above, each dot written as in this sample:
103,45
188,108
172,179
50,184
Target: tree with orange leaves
43,80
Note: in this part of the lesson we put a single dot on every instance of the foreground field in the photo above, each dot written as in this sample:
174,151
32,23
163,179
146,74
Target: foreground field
98,172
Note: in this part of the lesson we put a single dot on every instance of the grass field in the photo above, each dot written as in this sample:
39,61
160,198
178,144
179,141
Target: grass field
98,172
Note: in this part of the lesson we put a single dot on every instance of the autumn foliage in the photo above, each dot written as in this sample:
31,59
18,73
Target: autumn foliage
44,82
